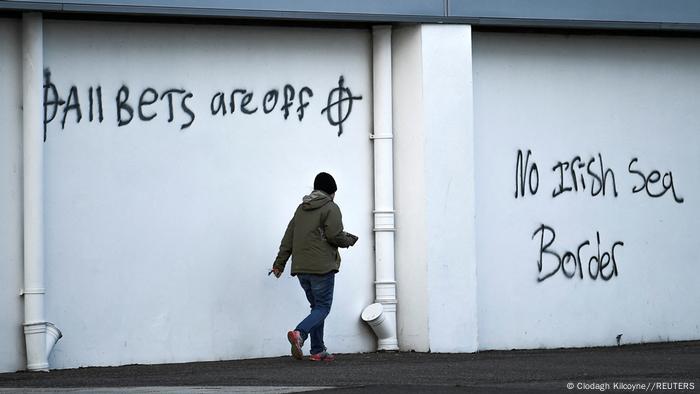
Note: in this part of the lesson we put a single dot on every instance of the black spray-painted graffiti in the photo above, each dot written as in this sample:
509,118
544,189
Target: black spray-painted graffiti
340,115
149,103
269,101
526,172
598,180
653,178
148,97
601,179
579,175
570,263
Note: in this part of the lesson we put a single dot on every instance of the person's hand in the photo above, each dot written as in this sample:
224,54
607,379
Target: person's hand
276,272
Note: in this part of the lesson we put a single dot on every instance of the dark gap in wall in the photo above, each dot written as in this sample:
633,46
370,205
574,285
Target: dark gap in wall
197,20
588,31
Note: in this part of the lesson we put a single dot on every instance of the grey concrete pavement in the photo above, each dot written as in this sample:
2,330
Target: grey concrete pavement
663,368
164,390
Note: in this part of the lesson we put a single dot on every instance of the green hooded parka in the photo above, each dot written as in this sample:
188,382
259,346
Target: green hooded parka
313,237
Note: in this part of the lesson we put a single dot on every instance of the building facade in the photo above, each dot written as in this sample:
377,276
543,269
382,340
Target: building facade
537,191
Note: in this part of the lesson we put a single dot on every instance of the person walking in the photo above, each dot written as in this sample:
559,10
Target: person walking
312,239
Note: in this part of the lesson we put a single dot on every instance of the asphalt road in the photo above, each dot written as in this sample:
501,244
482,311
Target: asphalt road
663,368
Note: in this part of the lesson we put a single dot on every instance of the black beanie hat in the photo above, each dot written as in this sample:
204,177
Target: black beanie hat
325,183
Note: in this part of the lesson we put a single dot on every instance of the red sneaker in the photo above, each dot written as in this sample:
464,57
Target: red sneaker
323,356
295,340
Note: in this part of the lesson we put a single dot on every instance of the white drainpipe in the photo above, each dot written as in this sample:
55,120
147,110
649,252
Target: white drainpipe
40,336
385,282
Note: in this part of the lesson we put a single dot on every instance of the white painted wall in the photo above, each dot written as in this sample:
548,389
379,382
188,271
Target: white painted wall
436,266
449,155
563,96
409,190
159,239
12,356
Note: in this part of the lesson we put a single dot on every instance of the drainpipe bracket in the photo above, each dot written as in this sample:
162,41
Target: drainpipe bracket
381,136
32,291
384,221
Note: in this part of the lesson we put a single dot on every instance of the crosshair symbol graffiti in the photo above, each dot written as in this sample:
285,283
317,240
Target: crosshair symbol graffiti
335,112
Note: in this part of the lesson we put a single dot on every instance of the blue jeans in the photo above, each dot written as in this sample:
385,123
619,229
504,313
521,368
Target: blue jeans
319,292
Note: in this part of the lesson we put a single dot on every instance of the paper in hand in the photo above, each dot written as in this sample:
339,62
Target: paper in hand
353,238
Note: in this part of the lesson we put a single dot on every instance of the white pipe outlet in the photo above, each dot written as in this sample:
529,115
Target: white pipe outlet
385,282
53,334
40,339
376,318
40,336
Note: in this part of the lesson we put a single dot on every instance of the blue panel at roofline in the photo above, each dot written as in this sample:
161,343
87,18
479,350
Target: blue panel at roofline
248,7
623,11
621,14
